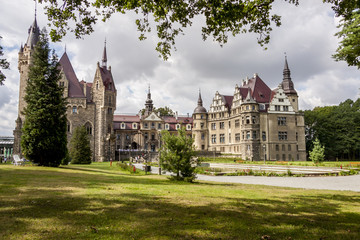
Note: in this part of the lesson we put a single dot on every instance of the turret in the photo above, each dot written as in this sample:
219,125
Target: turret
200,132
148,103
288,86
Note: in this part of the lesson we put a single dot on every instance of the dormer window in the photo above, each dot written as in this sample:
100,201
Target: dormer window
188,127
134,126
177,126
109,86
122,125
166,126
97,85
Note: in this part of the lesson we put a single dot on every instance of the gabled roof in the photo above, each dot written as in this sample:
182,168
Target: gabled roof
126,118
260,91
75,89
107,79
227,101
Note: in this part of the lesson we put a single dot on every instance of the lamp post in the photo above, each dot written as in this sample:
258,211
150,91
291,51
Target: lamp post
264,147
159,133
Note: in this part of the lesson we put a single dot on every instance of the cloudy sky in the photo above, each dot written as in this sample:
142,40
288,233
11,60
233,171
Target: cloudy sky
306,35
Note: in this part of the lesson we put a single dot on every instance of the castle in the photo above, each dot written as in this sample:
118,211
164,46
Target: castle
255,123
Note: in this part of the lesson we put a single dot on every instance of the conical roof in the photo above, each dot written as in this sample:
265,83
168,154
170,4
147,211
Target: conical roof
34,35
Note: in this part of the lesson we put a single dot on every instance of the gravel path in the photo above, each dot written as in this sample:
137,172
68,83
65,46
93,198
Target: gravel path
339,183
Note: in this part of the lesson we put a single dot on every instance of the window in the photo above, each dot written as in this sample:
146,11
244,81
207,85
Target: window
145,125
167,126
297,136
188,127
97,85
222,138
247,120
229,137
213,138
109,86
229,124
68,126
253,107
109,128
122,125
222,125
297,157
145,136
283,147
277,108
282,121
88,128
237,137
264,136
262,106
286,108
152,136
201,125
284,157
247,134
134,126
177,126
289,147
213,126
247,107
277,157
202,136
202,147
109,100
109,110
152,125
281,100
254,134
159,125
118,136
282,136
201,116
61,84
253,118
237,123
74,110
277,147
297,147
127,137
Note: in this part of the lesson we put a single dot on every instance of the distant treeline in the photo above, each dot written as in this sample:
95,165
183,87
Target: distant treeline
337,128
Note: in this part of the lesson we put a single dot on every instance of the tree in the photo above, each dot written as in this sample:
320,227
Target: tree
176,155
164,111
3,65
44,139
80,151
317,154
222,17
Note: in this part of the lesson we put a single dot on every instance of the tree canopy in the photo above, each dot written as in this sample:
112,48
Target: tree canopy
222,18
176,154
3,65
44,139
337,128
80,151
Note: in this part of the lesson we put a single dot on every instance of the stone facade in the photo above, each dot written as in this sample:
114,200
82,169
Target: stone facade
255,123
88,104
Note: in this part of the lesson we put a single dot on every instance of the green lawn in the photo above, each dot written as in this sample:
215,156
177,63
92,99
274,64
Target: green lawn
102,202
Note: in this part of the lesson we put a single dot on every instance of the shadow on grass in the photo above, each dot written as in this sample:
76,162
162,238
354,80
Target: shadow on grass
47,205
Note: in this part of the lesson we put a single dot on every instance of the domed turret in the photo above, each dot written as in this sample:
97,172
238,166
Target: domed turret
200,108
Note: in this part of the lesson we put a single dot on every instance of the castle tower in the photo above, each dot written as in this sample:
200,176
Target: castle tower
200,131
149,103
251,127
288,87
24,62
104,97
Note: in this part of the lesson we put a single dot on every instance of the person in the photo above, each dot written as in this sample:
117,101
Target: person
5,159
110,162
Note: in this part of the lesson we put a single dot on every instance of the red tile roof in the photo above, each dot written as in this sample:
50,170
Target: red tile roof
260,91
107,79
126,118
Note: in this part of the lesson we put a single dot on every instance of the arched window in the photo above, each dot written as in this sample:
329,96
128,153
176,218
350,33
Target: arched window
68,126
88,127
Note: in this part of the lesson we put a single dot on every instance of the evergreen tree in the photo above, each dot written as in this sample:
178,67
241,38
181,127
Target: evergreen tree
4,65
176,155
80,151
317,154
44,137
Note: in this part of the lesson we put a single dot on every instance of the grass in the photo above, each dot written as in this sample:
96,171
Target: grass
102,202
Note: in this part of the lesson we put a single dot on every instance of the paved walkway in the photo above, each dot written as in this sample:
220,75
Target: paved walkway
340,183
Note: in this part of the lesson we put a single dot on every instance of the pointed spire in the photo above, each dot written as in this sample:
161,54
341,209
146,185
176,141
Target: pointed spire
200,102
148,103
287,84
34,34
65,47
21,48
104,57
